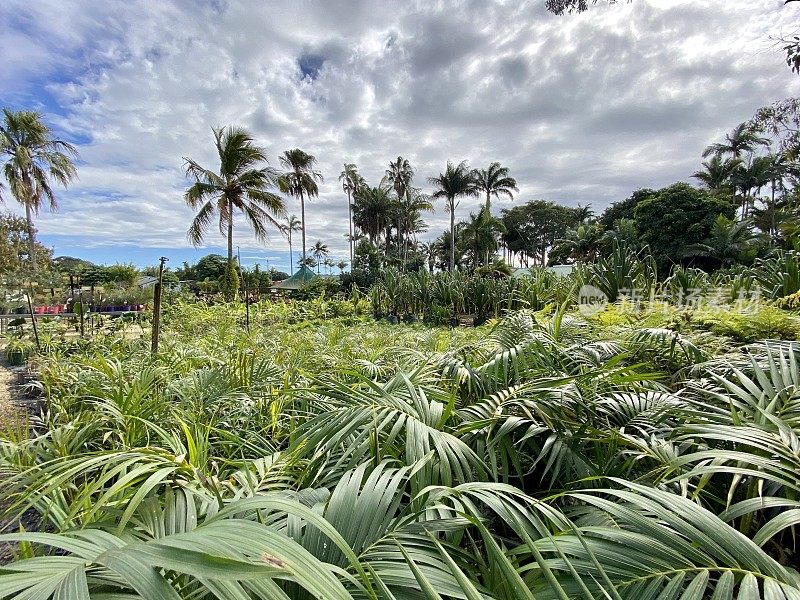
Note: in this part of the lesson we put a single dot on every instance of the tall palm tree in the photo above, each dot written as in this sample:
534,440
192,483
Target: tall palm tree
718,172
351,182
482,232
455,182
727,242
33,157
410,220
242,184
400,175
741,140
300,181
292,224
496,182
320,251
372,209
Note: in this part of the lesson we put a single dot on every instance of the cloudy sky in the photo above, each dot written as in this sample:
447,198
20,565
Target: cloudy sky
583,109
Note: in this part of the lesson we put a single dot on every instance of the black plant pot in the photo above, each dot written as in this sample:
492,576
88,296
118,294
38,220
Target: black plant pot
409,319
392,319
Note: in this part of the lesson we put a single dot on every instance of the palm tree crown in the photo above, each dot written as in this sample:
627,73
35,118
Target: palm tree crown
320,251
496,182
242,184
456,181
292,224
300,180
33,156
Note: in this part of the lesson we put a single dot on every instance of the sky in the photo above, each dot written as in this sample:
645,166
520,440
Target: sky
581,108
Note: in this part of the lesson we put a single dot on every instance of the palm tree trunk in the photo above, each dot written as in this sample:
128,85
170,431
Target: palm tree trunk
303,218
31,236
350,220
291,256
488,202
772,212
230,232
452,234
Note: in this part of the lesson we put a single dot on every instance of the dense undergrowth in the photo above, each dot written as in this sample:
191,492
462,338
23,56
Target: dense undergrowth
628,454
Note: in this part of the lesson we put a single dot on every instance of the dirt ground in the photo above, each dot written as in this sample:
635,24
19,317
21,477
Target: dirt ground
14,411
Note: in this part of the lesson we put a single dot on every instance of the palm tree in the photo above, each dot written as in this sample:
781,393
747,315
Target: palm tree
718,172
242,183
372,209
409,218
319,251
482,232
456,181
727,242
495,181
300,181
292,224
342,264
400,175
741,140
351,183
33,156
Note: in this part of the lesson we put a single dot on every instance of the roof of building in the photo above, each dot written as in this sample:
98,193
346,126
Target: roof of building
298,281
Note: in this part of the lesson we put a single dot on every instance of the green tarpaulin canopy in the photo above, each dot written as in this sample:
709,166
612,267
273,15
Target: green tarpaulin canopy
298,281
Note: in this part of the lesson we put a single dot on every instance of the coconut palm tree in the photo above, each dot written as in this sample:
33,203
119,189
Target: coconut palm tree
372,209
727,242
243,184
718,172
292,224
481,233
300,180
319,251
455,182
351,183
400,175
342,265
741,140
496,182
33,157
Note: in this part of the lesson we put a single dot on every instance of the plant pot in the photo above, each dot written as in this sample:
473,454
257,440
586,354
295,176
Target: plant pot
409,319
392,319
454,322
16,358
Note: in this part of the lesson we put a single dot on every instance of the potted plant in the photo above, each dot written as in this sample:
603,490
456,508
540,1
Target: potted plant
18,350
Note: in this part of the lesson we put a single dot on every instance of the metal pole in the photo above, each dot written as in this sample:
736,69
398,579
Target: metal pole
157,306
246,291
33,318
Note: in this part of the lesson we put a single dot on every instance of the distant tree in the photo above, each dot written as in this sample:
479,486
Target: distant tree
495,181
560,7
729,242
15,246
300,180
456,181
243,184
211,266
292,224
319,251
372,210
351,183
532,229
481,233
625,208
33,157
70,265
342,264
581,244
675,217
123,275
717,174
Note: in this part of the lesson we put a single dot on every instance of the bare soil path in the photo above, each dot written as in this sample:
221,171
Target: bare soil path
14,410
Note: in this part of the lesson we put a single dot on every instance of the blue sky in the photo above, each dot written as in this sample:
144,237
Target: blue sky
583,109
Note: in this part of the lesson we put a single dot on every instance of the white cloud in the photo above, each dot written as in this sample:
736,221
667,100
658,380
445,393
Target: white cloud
582,108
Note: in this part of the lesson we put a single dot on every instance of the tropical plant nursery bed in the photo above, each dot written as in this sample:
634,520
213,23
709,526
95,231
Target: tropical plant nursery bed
539,455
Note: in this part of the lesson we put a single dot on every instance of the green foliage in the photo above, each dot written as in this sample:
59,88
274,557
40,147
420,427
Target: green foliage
675,217
538,456
229,281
